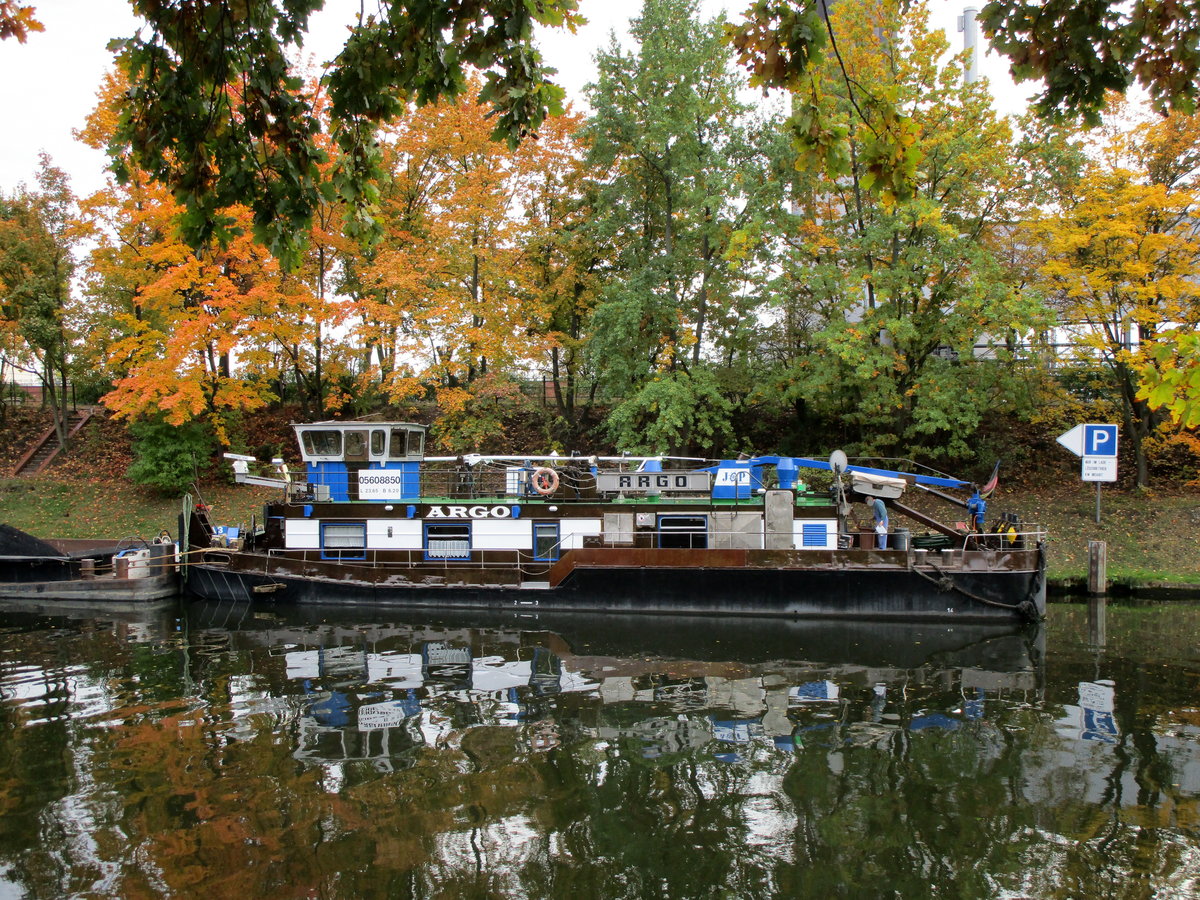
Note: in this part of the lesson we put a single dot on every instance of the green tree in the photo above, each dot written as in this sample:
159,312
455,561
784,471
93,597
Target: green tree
1079,50
1082,51
37,239
668,125
898,320
1171,377
169,457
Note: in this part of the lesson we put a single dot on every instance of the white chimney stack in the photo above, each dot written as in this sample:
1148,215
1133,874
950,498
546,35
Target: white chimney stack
970,32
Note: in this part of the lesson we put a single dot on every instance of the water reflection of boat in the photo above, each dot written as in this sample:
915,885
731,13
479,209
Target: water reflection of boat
133,622
380,687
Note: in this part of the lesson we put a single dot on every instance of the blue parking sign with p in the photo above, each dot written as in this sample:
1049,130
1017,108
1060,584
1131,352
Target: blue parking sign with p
1100,440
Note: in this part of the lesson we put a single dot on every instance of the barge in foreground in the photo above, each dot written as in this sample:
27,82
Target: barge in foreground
85,571
376,521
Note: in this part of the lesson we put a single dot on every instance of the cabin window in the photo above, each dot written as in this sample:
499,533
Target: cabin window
356,445
546,541
323,443
343,540
683,532
406,443
399,449
416,443
378,437
448,541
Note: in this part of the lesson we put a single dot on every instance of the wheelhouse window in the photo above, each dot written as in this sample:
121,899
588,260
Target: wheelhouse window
378,437
546,544
407,443
323,443
448,541
356,445
343,540
683,532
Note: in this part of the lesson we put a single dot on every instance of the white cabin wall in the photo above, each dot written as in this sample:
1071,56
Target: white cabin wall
302,534
501,534
405,534
573,531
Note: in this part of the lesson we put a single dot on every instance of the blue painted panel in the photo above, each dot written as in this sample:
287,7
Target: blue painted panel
334,476
735,480
815,535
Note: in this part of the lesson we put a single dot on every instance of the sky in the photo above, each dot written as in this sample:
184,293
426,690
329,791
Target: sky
48,85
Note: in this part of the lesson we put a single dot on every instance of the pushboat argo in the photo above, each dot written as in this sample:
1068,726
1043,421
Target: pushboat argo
375,521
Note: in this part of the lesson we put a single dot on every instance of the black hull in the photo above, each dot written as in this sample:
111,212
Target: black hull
879,595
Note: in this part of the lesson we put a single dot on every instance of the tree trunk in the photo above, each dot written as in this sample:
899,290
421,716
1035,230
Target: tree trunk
706,254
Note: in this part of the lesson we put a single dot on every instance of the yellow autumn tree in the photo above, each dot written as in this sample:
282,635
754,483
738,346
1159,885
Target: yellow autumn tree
1121,260
447,300
563,261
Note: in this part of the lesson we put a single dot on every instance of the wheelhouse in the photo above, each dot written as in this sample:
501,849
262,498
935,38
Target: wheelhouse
362,460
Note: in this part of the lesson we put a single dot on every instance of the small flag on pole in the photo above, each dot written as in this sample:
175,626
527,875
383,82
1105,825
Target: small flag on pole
986,490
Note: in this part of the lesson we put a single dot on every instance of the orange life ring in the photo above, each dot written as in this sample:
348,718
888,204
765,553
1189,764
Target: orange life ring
544,481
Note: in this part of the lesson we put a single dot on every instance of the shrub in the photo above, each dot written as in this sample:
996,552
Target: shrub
1174,457
168,457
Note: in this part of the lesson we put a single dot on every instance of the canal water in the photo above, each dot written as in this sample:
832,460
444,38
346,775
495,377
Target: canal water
242,752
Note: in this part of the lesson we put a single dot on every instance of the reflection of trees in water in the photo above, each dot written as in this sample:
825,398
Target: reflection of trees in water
145,770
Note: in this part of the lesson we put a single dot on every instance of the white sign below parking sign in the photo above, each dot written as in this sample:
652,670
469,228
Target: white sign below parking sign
1099,468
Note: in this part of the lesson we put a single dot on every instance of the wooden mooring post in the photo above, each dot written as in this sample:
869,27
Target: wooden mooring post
1097,567
1098,621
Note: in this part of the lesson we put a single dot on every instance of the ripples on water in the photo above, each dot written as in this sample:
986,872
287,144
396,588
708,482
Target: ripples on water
240,752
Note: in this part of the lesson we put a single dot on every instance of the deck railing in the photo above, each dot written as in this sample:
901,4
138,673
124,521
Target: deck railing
530,566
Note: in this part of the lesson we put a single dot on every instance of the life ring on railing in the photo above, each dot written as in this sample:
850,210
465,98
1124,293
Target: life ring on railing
544,481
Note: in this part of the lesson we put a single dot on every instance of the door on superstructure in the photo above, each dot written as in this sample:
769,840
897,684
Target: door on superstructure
546,541
683,532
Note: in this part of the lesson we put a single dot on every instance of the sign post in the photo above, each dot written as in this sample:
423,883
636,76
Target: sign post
1097,445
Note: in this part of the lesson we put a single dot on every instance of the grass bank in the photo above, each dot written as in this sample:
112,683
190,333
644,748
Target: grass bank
1152,537
55,508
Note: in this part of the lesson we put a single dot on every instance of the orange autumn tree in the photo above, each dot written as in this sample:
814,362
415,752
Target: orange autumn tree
169,323
300,346
447,300
173,350
200,336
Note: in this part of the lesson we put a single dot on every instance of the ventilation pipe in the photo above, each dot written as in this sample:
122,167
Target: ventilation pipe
970,32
